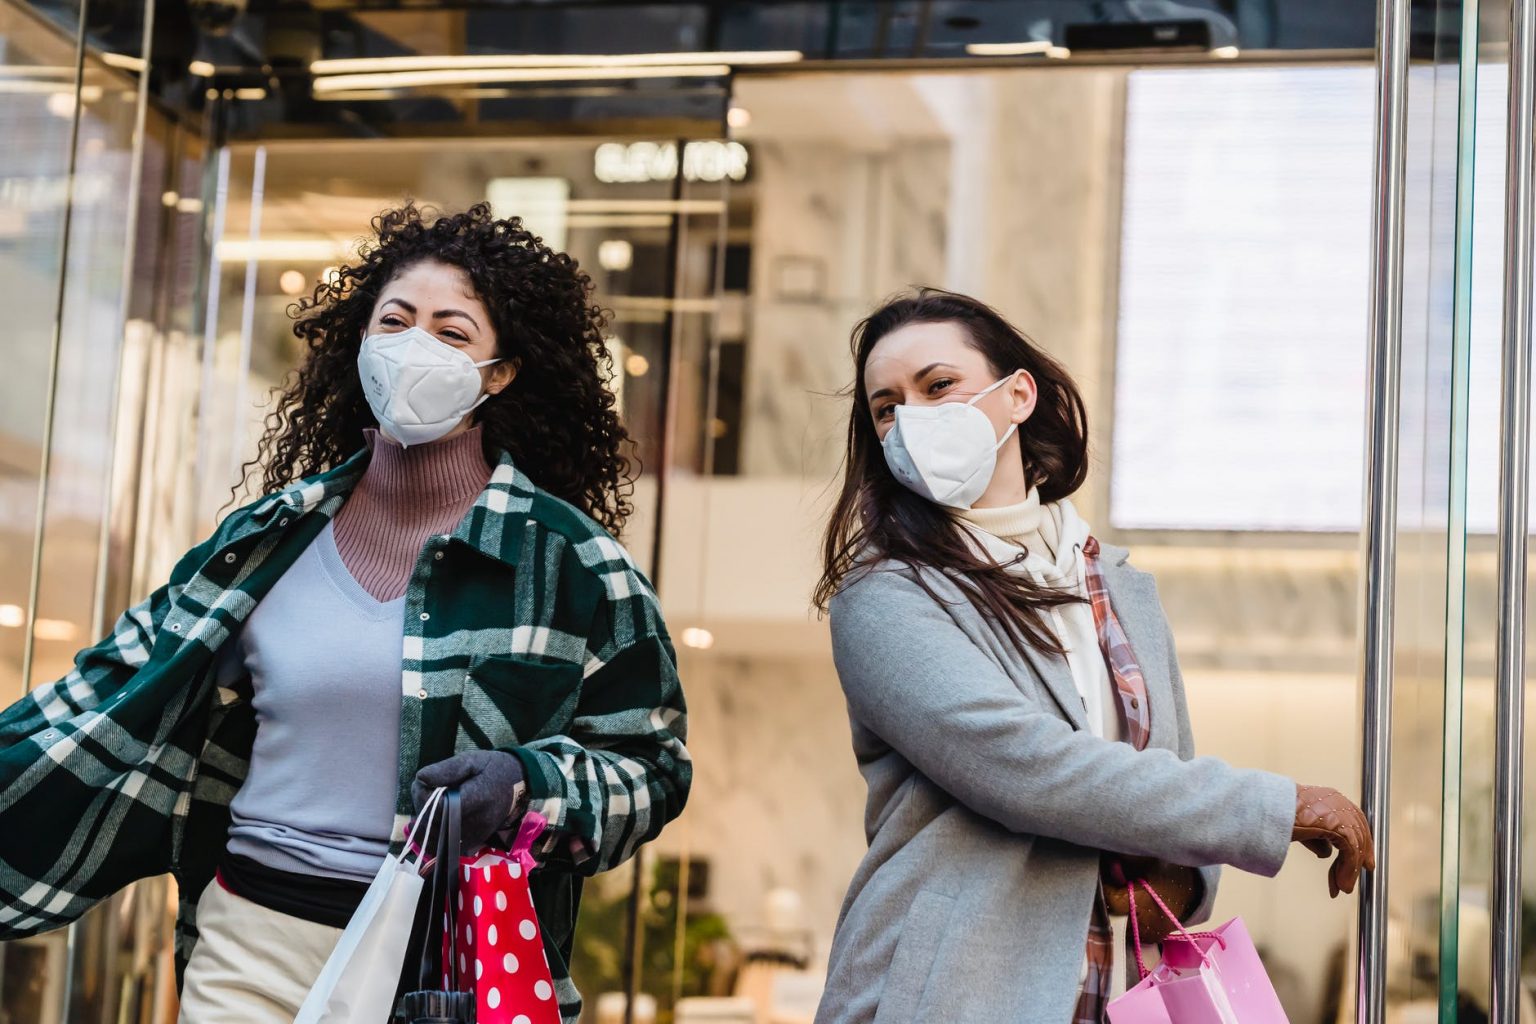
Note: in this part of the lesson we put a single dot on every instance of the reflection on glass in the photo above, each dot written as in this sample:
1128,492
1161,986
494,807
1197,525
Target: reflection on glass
91,335
37,89
37,108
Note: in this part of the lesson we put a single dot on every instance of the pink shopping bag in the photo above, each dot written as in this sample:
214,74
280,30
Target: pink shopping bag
499,946
1212,977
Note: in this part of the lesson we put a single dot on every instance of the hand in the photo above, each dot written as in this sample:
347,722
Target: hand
1176,885
1327,820
488,788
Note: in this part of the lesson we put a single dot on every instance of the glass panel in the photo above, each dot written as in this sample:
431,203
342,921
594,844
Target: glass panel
38,90
1430,544
681,923
1486,313
37,96
101,224
1194,245
115,964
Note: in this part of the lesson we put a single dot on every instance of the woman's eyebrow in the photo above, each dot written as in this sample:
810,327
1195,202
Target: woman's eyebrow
457,312
440,313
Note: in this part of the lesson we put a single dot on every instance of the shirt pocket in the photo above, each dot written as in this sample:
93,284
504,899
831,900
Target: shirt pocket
510,700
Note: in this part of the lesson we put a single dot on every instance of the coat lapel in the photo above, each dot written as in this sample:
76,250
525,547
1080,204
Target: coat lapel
1052,669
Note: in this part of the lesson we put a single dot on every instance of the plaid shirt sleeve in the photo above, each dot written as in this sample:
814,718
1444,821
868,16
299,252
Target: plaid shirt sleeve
100,670
64,752
621,771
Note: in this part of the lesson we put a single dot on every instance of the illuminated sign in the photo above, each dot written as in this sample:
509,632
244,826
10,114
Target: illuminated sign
633,162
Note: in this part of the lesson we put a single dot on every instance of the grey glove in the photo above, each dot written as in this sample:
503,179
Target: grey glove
489,783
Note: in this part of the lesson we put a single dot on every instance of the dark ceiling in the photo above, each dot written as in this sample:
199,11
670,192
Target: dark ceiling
254,58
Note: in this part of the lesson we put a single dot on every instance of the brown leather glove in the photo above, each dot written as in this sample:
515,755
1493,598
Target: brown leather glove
1327,820
1177,886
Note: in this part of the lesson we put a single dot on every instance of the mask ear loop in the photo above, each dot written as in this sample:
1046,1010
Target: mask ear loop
485,397
1012,427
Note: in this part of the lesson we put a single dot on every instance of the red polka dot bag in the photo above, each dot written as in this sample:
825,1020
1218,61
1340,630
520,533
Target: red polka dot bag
496,950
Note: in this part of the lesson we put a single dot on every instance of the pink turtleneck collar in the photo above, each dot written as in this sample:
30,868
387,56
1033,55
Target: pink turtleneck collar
405,496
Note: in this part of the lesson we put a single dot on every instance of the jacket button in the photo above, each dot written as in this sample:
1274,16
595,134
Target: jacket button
1135,703
230,558
175,627
283,521
438,557
421,694
425,616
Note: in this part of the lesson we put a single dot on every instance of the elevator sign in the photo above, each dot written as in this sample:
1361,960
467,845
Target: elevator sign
633,162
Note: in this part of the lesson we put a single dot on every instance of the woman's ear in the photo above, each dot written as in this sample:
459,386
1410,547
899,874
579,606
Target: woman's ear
1024,394
502,375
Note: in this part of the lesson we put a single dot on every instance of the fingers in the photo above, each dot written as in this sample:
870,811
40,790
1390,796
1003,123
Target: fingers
1367,840
1345,871
452,772
1117,900
1322,848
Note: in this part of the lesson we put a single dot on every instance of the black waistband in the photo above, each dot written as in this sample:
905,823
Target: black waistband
327,901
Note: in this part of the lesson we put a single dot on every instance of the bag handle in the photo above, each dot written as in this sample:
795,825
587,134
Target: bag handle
426,818
444,895
528,831
1185,934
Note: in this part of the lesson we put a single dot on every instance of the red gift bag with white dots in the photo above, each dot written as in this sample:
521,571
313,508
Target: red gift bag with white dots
500,949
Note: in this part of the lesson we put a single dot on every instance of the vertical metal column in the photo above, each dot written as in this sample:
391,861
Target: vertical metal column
1381,491
1514,512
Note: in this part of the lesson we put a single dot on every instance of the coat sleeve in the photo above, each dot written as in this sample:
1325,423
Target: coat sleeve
917,681
621,771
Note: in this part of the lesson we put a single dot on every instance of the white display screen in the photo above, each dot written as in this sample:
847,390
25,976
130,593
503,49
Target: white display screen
1240,375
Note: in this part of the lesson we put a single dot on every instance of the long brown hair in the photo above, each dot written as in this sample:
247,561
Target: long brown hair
877,519
557,418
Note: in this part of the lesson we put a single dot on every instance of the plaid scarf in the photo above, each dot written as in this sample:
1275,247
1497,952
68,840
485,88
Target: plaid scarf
1136,717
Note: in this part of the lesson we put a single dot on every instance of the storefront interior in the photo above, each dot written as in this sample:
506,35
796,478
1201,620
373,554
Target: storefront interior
1187,228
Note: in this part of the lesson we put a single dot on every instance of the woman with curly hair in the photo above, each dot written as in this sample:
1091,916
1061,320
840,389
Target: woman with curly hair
428,594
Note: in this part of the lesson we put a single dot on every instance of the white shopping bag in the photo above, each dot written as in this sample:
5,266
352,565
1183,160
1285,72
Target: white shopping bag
357,985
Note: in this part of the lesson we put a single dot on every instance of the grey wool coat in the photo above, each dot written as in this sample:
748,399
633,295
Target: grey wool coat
990,803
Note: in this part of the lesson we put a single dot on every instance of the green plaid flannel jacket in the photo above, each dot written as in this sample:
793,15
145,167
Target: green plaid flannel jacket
529,629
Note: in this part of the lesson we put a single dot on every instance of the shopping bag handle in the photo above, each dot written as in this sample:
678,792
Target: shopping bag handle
1188,936
528,832
444,895
426,817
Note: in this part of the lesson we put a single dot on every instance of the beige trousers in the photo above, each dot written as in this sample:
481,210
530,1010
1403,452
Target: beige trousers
251,965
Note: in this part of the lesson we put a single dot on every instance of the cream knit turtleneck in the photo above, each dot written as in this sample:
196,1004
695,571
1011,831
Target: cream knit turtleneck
1029,525
1051,536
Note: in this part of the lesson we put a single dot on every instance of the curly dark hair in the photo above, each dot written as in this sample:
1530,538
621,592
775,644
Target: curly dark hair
557,418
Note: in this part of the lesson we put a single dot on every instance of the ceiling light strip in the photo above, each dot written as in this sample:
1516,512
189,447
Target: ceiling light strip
506,61
417,79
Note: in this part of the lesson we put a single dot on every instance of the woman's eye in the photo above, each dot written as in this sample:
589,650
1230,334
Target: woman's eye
885,412
942,384
452,335
392,321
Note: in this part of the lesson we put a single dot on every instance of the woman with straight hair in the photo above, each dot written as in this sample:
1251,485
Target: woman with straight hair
1016,703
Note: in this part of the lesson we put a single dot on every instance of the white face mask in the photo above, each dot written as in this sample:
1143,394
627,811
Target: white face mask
946,453
419,388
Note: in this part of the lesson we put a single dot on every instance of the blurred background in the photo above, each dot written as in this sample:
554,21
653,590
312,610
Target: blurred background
1174,199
